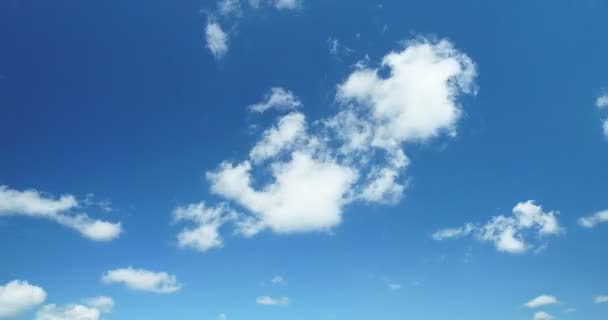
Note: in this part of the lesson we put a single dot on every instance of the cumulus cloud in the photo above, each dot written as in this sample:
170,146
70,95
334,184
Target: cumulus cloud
69,312
278,98
541,315
600,299
217,39
270,301
19,296
143,280
541,300
206,221
508,233
102,303
300,175
594,219
33,203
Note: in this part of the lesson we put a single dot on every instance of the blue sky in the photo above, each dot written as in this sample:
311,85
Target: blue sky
281,159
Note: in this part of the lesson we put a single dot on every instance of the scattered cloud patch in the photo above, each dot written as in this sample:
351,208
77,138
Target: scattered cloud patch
19,296
143,280
509,233
312,170
229,7
32,203
270,301
336,48
102,303
206,221
277,4
217,39
69,312
602,103
594,219
279,99
600,299
541,315
541,300
278,280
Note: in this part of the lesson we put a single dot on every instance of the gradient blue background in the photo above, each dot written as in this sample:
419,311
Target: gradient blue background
123,100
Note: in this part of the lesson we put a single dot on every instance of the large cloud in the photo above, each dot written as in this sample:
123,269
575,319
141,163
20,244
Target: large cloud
508,233
300,175
32,203
143,280
19,296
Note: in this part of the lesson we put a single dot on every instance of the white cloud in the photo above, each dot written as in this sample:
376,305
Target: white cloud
602,101
91,309
19,296
336,48
278,280
299,176
277,4
32,203
229,7
270,301
416,101
222,316
541,300
217,39
276,139
143,280
278,98
207,220
605,127
69,312
102,303
600,299
594,219
307,193
453,233
541,315
508,233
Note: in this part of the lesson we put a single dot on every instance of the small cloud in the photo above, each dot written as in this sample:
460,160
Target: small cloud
278,98
600,299
222,316
217,39
143,280
270,301
541,315
394,286
541,300
278,280
593,220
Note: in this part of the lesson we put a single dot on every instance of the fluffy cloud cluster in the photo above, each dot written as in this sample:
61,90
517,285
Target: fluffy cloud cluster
270,301
600,299
300,175
594,219
602,103
508,233
18,296
227,12
143,280
92,309
206,220
32,203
